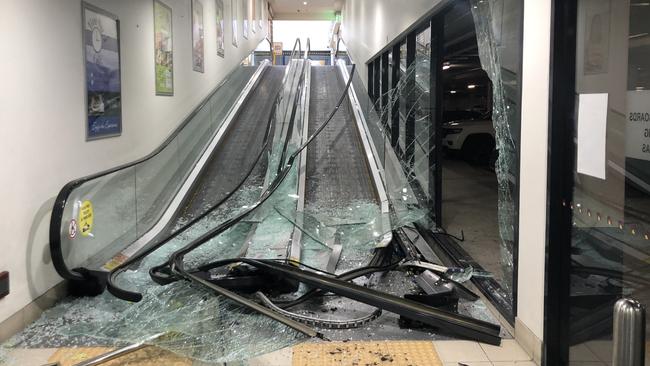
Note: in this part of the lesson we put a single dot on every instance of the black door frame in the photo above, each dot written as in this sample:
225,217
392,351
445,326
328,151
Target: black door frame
560,182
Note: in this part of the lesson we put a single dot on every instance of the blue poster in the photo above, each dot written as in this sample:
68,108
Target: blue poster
103,85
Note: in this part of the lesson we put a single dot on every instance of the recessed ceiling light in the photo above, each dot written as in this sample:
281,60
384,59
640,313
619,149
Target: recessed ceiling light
304,3
452,91
446,67
471,86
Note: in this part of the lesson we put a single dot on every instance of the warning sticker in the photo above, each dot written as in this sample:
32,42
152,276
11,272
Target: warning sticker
72,229
85,221
115,261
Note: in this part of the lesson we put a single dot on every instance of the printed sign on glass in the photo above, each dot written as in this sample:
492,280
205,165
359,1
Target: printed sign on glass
220,28
164,55
102,62
197,36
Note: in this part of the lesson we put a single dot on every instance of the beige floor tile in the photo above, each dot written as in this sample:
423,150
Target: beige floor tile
277,358
508,351
581,353
460,351
602,350
29,356
468,363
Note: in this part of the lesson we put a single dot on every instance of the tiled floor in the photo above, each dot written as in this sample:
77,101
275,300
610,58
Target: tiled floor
478,354
451,353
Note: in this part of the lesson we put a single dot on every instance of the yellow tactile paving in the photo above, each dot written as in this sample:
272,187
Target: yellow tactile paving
150,356
393,353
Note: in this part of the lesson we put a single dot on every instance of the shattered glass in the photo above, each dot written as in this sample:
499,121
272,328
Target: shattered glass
495,44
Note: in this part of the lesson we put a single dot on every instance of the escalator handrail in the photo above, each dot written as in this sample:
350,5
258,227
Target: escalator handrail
293,52
60,202
307,49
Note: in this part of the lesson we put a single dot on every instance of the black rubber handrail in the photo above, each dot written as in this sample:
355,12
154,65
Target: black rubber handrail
62,197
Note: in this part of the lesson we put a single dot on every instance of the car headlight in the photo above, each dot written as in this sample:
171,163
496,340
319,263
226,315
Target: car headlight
453,131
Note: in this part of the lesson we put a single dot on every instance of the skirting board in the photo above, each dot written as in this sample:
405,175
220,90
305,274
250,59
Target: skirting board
528,341
25,316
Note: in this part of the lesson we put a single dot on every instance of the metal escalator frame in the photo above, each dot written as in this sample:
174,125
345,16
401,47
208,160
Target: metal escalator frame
295,248
81,274
371,155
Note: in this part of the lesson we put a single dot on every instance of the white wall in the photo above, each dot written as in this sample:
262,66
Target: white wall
369,25
533,172
42,113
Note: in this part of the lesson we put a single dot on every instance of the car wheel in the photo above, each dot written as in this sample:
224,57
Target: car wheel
477,149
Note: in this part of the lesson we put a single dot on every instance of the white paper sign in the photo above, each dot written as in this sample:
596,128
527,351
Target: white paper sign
592,134
637,131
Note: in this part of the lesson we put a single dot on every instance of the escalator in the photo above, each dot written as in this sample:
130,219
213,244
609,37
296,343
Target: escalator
260,248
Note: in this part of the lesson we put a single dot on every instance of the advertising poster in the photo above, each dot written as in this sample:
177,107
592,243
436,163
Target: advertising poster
164,55
234,13
253,16
245,22
102,61
197,36
220,27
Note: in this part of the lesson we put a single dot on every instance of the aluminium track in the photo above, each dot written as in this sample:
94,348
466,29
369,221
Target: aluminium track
337,171
234,157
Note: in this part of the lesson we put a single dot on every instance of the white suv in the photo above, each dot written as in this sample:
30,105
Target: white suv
472,139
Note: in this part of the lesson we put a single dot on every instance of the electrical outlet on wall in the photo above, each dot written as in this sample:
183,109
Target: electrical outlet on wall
4,284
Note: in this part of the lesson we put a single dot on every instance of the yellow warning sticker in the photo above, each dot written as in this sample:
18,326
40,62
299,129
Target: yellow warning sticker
115,261
85,222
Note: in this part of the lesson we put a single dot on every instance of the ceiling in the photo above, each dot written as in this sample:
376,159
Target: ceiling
297,8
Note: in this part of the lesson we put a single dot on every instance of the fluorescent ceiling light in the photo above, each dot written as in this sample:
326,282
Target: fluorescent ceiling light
446,67
452,91
471,86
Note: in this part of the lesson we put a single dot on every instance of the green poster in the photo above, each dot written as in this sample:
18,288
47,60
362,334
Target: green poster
164,54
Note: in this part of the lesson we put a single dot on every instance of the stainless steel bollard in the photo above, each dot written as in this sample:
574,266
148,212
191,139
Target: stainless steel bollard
629,333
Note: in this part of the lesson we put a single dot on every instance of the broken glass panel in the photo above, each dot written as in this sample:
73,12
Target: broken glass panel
498,33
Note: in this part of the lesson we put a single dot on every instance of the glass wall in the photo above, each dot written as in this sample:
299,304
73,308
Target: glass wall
610,239
468,109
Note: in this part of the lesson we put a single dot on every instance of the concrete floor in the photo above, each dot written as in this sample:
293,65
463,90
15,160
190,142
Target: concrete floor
469,203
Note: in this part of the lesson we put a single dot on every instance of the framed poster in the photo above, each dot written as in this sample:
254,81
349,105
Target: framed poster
197,36
253,15
101,43
164,55
234,13
220,27
245,21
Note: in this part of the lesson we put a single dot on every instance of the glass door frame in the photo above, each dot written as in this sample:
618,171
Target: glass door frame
377,87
